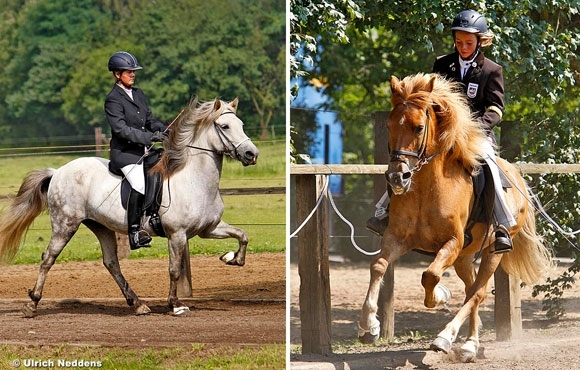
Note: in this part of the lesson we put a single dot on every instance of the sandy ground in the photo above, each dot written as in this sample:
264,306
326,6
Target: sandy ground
82,305
544,345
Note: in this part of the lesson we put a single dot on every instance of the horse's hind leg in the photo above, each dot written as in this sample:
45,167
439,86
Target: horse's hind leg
60,237
223,231
108,241
466,271
475,295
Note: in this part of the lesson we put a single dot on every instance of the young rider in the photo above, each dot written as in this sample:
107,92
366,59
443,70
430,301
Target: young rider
482,82
133,130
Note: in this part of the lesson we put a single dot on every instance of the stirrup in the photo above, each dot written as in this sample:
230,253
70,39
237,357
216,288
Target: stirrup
377,225
503,242
139,239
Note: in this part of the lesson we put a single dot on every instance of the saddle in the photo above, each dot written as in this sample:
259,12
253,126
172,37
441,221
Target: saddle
153,191
482,210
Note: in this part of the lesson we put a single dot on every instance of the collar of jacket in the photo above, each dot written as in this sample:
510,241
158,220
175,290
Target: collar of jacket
122,93
478,61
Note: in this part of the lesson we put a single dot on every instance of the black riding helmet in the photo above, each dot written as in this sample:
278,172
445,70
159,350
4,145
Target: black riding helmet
122,61
469,21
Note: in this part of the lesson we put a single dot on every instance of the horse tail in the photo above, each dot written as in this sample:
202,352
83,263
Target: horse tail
29,202
530,259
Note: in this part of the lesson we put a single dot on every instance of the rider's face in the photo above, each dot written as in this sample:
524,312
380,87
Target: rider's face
127,78
465,43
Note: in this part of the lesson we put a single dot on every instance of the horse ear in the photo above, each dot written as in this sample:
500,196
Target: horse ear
396,90
217,104
431,83
234,104
395,84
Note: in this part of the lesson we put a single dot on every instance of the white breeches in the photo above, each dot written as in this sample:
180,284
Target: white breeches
500,208
135,174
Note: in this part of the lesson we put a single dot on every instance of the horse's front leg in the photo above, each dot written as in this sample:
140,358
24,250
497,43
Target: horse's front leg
436,293
369,326
223,231
475,295
177,248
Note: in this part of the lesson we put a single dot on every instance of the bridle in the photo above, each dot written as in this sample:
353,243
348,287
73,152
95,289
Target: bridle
230,149
420,154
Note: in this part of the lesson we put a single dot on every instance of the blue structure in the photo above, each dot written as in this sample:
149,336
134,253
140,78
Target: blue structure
327,147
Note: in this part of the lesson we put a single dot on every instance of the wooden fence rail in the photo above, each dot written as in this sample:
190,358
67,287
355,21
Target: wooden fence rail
313,264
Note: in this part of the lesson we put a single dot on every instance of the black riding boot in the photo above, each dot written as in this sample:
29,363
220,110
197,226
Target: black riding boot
378,225
137,238
503,242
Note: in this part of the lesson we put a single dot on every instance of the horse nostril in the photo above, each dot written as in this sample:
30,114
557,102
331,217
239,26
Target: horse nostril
250,155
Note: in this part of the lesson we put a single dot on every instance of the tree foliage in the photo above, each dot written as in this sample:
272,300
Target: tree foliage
55,55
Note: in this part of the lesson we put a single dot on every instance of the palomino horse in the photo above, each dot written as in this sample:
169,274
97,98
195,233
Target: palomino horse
435,148
84,191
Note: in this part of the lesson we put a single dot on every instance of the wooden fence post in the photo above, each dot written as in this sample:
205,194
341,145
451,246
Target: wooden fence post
123,250
100,140
313,267
508,305
386,313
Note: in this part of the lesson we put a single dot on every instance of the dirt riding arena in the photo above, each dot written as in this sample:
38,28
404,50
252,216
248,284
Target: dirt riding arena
544,344
82,305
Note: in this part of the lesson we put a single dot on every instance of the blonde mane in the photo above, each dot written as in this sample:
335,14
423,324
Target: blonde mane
185,129
459,135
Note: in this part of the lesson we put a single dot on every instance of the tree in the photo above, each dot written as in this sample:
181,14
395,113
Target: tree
55,54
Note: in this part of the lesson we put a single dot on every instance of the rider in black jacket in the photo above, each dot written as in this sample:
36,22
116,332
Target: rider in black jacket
133,130
482,82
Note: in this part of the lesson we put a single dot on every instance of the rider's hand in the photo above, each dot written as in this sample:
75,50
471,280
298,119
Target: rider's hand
158,136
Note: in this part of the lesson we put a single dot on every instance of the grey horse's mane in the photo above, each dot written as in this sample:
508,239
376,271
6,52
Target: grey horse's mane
193,120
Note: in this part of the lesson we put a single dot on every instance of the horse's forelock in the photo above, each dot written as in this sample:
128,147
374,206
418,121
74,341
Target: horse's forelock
459,133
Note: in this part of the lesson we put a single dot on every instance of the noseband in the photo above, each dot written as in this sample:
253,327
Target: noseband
420,154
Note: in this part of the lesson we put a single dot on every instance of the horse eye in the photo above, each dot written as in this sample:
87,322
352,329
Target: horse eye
224,126
419,129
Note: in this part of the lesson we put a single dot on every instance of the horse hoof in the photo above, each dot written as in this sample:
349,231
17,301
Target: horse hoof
368,338
228,257
181,311
468,352
29,310
442,294
440,344
142,310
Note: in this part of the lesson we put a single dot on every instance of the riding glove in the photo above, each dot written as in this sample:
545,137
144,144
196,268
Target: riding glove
158,136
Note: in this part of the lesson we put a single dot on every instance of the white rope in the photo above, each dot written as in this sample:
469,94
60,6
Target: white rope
537,205
320,197
543,212
326,191
351,229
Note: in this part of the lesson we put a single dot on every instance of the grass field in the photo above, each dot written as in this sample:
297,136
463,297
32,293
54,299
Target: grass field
263,217
197,356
